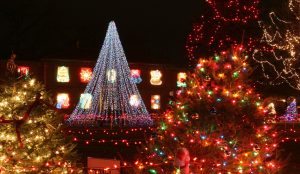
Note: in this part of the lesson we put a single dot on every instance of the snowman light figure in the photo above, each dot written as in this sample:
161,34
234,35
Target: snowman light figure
155,77
182,161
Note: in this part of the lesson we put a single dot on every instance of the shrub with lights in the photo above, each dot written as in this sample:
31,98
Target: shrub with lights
218,122
31,138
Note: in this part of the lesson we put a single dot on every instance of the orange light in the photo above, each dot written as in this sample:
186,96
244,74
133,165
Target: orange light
85,74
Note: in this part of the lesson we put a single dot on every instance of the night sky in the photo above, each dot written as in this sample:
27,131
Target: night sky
151,31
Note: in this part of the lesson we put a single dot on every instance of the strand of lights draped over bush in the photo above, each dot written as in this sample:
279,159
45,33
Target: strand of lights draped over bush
213,32
279,59
111,98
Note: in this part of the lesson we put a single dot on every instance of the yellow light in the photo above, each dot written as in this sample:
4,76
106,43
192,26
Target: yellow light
235,95
31,82
155,102
155,78
221,75
62,74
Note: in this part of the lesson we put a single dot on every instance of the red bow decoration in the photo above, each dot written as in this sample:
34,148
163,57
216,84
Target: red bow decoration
19,123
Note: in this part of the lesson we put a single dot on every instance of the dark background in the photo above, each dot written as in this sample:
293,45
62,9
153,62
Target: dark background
151,31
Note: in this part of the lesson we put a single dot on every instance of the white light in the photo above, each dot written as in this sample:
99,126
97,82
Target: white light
134,101
113,93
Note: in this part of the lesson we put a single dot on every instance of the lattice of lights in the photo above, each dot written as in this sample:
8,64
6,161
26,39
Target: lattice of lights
111,75
85,74
63,101
155,102
85,101
63,74
23,70
181,79
155,78
135,76
134,100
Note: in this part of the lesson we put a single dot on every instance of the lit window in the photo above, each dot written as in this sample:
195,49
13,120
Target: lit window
155,102
181,79
63,101
85,101
63,74
111,75
85,74
135,76
23,70
155,77
134,101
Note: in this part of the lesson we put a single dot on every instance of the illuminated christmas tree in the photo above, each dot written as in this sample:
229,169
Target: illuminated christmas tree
111,98
31,138
291,113
215,125
224,23
279,58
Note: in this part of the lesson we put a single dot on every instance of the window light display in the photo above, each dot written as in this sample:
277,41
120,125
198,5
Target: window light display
155,77
63,74
135,76
63,101
134,100
85,101
23,70
111,75
85,74
155,102
181,79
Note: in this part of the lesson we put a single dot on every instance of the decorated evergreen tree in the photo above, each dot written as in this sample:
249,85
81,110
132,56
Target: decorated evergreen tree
215,124
31,138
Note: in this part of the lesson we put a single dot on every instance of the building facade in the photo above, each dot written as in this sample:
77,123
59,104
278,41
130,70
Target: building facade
66,80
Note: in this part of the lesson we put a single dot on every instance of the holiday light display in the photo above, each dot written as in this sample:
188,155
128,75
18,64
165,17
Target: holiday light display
111,75
63,101
155,78
155,102
218,119
291,111
31,131
85,101
134,100
181,78
115,98
62,74
23,70
279,59
85,74
214,31
135,76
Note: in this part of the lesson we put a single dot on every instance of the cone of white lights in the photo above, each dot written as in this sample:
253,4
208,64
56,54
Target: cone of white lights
111,98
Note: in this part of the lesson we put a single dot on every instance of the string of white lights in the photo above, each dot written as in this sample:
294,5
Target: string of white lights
113,98
279,62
